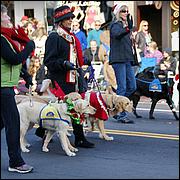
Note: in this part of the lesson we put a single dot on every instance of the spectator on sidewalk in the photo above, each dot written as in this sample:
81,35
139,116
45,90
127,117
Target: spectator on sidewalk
95,34
121,55
167,64
143,37
151,51
79,34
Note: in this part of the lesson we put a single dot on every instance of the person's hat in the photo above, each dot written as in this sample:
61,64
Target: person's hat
167,50
24,18
117,8
63,12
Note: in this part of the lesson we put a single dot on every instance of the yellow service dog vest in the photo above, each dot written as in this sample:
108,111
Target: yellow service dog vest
50,117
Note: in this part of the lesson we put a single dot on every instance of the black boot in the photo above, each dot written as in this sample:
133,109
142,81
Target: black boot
80,140
40,132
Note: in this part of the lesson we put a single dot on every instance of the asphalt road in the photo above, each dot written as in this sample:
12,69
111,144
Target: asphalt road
148,149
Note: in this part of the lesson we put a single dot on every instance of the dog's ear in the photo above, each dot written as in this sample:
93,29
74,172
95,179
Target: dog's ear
65,98
109,90
110,101
73,96
117,101
78,106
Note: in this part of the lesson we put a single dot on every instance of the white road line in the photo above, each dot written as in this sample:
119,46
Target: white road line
160,110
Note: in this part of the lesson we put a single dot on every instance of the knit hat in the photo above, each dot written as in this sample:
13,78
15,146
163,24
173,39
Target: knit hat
117,8
24,18
62,13
168,50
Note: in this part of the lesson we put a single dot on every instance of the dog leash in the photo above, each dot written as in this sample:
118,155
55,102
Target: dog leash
30,95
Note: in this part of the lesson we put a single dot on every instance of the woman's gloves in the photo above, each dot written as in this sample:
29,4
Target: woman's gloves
69,66
130,21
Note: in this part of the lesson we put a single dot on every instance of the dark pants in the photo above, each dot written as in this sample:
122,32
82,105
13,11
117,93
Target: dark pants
11,121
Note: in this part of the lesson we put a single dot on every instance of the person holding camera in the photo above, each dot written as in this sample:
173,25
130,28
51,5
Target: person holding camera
121,55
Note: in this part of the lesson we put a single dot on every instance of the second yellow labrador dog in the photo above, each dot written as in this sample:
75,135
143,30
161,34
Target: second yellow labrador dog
106,105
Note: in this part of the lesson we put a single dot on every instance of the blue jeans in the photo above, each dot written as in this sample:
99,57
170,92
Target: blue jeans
125,78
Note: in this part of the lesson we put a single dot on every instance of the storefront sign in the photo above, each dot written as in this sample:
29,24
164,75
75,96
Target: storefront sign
81,3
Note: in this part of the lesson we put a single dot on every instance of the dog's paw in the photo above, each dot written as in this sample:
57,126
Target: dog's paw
107,138
75,150
71,153
25,150
45,149
28,145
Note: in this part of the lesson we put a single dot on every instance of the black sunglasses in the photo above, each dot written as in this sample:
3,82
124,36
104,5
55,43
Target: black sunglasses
124,11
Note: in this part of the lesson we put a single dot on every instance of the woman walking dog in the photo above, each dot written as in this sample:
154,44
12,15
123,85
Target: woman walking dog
121,55
63,55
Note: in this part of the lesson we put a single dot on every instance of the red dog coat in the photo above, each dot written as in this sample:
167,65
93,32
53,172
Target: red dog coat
97,102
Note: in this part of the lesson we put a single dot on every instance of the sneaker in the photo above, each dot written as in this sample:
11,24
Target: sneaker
125,120
21,169
121,115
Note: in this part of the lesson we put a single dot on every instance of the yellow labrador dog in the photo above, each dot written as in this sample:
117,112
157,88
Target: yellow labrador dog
30,115
106,105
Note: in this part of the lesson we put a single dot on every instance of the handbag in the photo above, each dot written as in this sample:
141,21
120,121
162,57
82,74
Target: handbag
137,58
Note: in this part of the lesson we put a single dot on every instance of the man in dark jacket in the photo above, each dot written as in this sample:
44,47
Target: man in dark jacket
63,54
121,55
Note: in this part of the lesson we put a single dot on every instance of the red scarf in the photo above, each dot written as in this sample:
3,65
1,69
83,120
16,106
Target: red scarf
16,36
78,50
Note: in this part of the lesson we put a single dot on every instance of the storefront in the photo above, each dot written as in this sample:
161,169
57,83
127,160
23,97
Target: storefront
163,16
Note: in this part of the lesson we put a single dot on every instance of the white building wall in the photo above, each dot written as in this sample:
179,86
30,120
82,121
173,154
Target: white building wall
38,7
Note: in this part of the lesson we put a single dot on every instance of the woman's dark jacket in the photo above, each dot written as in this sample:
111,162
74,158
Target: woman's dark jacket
120,44
56,52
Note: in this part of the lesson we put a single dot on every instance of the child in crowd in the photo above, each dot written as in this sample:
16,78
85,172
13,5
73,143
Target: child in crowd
151,51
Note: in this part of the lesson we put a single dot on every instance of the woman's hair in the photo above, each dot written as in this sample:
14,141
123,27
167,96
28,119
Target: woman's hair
3,9
117,15
141,25
32,70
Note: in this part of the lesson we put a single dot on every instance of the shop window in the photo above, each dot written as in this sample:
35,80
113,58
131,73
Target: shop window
29,13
